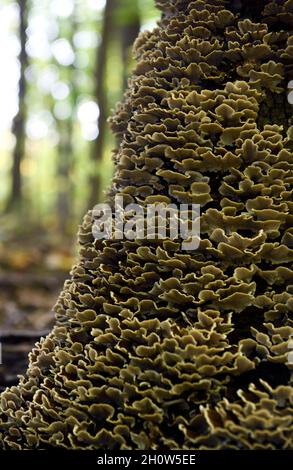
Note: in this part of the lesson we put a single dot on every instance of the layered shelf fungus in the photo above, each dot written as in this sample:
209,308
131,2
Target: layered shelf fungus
159,348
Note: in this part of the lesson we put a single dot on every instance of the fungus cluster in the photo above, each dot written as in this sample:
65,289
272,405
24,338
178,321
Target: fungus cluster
159,348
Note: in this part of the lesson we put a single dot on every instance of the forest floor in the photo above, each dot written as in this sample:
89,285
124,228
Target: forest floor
31,277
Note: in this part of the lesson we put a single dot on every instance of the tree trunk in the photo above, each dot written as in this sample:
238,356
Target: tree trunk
164,342
129,32
19,122
65,150
101,99
65,147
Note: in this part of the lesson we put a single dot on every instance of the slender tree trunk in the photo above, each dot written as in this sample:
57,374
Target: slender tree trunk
65,150
129,33
65,147
98,145
19,122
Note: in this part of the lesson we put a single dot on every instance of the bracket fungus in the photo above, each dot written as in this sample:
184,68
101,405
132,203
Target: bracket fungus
154,347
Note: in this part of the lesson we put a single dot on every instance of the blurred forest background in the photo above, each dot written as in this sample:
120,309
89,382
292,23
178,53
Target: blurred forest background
64,67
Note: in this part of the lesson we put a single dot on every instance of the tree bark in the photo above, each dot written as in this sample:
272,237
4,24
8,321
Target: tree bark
19,122
66,147
65,150
98,145
129,33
